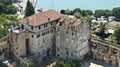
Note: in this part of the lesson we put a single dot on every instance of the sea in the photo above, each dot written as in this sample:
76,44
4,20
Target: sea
82,4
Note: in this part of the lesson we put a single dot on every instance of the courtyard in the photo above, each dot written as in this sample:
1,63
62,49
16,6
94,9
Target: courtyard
96,63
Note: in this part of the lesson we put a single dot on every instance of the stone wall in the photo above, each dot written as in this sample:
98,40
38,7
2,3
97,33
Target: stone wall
4,47
72,41
106,51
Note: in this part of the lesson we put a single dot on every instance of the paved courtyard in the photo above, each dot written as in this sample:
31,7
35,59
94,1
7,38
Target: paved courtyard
95,63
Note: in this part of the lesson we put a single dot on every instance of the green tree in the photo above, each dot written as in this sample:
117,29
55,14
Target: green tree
107,13
76,10
116,12
77,15
6,7
67,11
67,64
5,22
86,12
62,11
102,28
112,38
98,13
1,8
117,34
6,2
89,12
88,20
29,9
10,9
35,62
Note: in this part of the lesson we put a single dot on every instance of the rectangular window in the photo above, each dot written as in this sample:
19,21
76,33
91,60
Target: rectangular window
31,27
38,35
67,53
43,33
44,26
32,36
43,40
67,31
51,23
39,27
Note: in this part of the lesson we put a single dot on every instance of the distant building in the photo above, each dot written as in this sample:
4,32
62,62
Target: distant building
50,33
112,25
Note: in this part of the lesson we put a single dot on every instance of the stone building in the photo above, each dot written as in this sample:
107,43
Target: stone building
105,51
50,33
4,48
72,39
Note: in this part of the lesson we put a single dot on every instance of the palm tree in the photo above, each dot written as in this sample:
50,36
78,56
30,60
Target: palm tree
111,38
77,15
102,28
88,19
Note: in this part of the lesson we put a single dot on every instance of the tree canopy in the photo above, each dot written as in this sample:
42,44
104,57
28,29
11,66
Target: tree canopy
67,64
99,13
77,15
86,12
102,28
5,22
116,12
77,12
29,9
6,7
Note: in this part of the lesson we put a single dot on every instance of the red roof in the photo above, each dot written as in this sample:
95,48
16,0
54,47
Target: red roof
42,18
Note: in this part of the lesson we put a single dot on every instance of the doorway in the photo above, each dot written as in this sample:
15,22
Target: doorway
27,46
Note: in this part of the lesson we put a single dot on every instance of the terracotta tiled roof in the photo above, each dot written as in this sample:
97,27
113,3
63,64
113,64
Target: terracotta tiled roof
66,21
42,18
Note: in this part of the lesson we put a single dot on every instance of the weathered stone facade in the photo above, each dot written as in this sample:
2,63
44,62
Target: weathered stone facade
40,37
106,51
72,37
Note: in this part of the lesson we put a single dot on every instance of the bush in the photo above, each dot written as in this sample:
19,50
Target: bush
67,64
